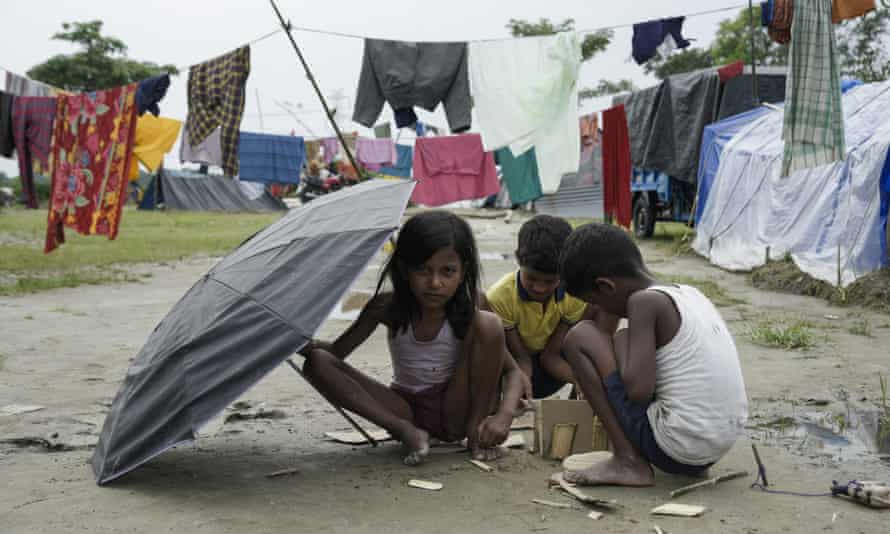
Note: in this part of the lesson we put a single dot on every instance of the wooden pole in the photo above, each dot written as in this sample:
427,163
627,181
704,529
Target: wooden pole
287,28
754,92
345,415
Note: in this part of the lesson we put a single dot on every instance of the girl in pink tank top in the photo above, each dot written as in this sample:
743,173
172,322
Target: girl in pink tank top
448,356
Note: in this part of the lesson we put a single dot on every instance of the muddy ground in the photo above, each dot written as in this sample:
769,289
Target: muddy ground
812,416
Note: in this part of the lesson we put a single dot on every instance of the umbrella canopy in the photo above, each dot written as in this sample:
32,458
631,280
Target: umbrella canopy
252,311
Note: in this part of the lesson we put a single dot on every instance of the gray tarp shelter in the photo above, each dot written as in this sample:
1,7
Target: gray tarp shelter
188,191
251,312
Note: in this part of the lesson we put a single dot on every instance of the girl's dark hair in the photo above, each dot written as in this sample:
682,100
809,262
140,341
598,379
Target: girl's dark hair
421,237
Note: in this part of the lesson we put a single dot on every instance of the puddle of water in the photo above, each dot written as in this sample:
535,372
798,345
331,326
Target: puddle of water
350,306
856,434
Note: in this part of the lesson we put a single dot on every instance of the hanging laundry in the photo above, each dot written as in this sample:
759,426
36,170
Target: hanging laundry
7,140
589,126
155,137
383,131
207,152
331,147
408,74
419,129
814,121
313,149
21,86
453,168
375,153
92,147
728,72
520,175
405,160
616,166
271,159
216,99
649,36
850,9
526,95
780,25
32,131
766,13
150,92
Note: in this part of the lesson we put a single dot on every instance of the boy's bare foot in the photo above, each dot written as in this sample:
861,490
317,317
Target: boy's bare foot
614,472
417,442
486,454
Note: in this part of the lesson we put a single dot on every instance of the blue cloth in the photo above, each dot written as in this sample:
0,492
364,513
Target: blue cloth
635,423
404,162
420,129
543,383
885,208
714,137
766,12
405,117
151,91
648,36
849,83
271,159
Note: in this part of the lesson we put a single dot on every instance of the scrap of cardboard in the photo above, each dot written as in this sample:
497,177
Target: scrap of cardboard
679,510
551,412
425,484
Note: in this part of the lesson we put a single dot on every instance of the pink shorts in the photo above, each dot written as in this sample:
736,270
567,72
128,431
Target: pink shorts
428,407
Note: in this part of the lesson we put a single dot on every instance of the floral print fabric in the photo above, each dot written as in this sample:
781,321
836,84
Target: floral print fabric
93,144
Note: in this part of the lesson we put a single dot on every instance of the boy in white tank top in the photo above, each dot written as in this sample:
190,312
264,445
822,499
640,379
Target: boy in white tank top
668,389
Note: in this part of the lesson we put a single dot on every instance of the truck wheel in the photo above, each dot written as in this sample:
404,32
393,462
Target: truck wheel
644,217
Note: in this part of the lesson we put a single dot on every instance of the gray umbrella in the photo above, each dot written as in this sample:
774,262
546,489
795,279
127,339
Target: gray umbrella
252,311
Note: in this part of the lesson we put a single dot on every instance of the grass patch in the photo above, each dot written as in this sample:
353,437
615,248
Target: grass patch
789,337
861,328
712,290
674,239
2,361
144,237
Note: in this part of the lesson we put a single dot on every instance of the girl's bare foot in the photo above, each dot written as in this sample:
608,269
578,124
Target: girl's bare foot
486,454
614,471
417,442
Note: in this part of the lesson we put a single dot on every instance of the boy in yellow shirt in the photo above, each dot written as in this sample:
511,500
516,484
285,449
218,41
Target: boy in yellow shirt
536,310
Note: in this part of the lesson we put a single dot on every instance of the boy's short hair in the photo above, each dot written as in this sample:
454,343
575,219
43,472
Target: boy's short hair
540,241
598,250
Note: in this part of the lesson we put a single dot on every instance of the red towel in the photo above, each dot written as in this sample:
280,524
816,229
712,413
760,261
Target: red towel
453,168
728,72
616,166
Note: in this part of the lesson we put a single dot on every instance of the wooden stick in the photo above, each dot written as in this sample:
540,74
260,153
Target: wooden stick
352,422
283,472
706,483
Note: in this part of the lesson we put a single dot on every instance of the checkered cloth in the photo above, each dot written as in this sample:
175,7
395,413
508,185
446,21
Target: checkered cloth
32,130
216,99
814,120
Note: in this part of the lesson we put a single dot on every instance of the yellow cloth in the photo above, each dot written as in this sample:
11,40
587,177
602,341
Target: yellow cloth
535,324
154,138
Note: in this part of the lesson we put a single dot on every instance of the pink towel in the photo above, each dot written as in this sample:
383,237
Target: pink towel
453,168
375,153
331,148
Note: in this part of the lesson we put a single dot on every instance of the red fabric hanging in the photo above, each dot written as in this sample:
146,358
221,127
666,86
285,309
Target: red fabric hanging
94,135
616,166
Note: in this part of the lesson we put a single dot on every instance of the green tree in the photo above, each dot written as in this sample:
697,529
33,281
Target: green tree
607,87
101,63
863,46
592,44
686,60
733,42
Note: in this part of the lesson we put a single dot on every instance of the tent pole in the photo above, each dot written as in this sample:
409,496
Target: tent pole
345,415
324,104
753,55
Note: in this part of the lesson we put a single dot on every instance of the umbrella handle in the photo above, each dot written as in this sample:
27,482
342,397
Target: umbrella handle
345,415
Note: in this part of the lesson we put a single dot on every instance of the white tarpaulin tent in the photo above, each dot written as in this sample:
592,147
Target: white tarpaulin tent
832,220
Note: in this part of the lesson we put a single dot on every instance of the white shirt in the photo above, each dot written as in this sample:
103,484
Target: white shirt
700,405
525,94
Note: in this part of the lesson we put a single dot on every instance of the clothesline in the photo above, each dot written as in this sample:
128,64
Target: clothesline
248,43
586,31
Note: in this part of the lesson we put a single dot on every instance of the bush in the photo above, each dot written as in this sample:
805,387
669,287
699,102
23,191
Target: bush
41,184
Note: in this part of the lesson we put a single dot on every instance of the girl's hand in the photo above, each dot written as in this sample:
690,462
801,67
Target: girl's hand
494,430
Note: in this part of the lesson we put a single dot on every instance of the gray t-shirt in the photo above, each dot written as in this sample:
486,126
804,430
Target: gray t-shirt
700,405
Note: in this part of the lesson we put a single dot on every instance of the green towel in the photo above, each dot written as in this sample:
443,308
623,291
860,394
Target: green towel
520,175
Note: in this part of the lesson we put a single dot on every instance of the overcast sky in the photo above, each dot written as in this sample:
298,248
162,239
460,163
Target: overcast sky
185,32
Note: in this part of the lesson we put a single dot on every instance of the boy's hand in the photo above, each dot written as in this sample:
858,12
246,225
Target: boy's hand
494,430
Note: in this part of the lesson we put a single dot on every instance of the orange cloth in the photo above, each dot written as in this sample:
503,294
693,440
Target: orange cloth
850,9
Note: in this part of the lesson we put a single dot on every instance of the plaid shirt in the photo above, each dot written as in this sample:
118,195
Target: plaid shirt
216,99
814,121
32,130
